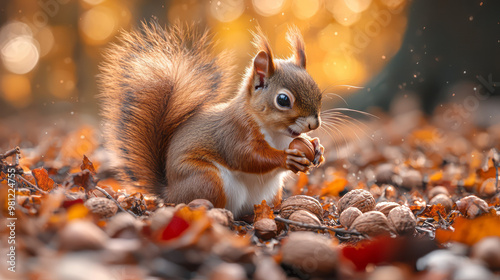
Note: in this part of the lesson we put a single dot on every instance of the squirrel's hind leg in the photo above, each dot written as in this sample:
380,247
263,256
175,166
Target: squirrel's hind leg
204,183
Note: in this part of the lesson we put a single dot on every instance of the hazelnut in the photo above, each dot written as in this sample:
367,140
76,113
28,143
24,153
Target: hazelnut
488,251
438,190
472,206
402,220
372,223
309,252
301,202
265,229
444,200
82,235
361,199
390,192
386,207
349,215
101,206
305,217
304,146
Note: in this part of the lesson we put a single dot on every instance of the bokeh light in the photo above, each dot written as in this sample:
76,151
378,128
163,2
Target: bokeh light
19,51
16,90
98,24
227,10
268,7
358,6
342,13
393,4
304,9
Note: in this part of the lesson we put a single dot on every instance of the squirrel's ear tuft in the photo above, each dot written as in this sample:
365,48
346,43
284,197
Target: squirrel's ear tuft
295,39
263,63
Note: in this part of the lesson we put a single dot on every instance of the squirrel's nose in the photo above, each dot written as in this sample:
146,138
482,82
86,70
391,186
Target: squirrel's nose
313,122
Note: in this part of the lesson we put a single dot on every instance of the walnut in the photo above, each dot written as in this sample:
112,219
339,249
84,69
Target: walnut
386,207
221,216
361,199
310,252
101,206
306,217
301,202
372,223
442,199
472,206
402,220
265,229
349,215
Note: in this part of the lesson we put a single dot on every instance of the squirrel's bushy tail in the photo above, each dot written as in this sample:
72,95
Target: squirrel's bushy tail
152,81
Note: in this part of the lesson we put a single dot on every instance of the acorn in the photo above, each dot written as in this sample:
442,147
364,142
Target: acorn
304,146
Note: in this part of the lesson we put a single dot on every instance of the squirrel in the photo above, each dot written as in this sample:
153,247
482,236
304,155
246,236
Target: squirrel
183,129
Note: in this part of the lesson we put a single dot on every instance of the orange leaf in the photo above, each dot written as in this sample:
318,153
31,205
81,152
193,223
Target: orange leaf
470,231
42,179
87,165
335,187
262,211
431,211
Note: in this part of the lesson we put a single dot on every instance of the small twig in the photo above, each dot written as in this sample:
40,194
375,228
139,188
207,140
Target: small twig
114,200
10,152
424,230
31,184
336,230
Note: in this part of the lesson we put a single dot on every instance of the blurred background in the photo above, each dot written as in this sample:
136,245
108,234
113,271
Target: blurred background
425,52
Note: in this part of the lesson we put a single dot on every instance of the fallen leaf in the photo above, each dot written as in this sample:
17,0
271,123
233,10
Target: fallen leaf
470,231
42,179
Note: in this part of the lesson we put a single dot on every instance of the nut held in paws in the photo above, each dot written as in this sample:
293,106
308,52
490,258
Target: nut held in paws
304,146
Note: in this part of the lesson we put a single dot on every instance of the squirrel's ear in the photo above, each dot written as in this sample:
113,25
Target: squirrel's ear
295,39
263,66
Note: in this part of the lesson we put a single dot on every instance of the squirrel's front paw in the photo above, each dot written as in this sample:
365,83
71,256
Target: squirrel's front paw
296,161
319,151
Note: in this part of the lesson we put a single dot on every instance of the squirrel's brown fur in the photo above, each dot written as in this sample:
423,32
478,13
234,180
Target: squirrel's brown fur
182,128
146,81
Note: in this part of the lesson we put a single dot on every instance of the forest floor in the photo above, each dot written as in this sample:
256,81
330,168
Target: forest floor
406,197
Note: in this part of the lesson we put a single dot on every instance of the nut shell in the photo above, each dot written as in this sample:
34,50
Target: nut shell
488,251
402,220
372,223
304,146
306,217
437,190
361,199
349,215
309,252
472,206
82,235
442,199
221,216
265,229
386,207
101,206
301,202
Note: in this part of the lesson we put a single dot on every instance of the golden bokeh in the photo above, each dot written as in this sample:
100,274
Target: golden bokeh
304,9
227,10
98,24
16,90
267,7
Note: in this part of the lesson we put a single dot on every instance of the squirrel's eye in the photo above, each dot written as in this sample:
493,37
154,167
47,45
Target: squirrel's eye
283,100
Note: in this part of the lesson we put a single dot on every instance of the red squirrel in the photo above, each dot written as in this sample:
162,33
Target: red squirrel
183,129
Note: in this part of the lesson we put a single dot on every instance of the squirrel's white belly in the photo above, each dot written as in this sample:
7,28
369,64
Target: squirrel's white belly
244,190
